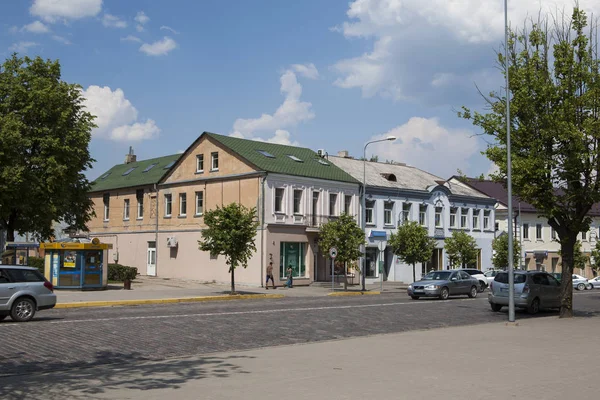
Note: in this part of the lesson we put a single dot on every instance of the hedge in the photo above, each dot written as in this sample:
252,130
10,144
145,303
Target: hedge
120,273
36,262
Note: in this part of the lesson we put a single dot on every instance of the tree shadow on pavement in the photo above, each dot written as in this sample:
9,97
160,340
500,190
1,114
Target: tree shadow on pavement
109,374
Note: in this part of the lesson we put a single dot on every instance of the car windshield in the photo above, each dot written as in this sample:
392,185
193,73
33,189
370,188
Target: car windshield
502,277
437,276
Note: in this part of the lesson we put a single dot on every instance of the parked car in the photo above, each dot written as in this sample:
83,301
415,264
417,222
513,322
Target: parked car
443,284
594,282
490,274
533,290
23,291
479,275
581,283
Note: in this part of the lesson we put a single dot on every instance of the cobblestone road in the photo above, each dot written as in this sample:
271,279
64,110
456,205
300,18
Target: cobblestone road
75,338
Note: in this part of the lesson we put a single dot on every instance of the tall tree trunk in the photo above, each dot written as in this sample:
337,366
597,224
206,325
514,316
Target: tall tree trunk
566,282
10,235
232,280
414,273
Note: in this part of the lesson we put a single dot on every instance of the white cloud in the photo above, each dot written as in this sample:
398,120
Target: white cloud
160,47
131,38
289,114
116,117
55,10
425,144
168,28
418,46
112,21
22,47
61,39
36,27
142,19
306,70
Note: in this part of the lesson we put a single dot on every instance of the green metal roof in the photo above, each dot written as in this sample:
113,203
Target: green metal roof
139,173
276,158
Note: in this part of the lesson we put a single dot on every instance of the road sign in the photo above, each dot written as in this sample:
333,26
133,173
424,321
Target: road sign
333,252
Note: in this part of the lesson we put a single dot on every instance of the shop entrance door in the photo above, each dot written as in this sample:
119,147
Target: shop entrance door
151,262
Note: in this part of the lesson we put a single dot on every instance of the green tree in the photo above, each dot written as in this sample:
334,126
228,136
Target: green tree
345,235
230,231
44,137
412,244
500,247
555,128
461,249
595,257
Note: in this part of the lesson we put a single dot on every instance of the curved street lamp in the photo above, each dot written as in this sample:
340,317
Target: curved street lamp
364,211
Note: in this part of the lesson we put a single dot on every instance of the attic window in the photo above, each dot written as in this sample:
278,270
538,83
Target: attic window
266,153
390,177
105,175
295,158
130,170
322,162
169,165
149,167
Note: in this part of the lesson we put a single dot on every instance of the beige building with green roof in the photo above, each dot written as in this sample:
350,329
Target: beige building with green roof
152,210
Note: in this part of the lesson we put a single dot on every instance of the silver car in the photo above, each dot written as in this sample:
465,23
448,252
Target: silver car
443,284
23,291
533,291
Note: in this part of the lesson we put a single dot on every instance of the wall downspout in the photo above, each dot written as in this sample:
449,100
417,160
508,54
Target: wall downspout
262,228
156,234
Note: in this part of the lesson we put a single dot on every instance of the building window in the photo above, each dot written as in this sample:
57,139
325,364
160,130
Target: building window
486,219
525,231
291,255
464,213
475,219
347,204
106,201
438,217
168,204
297,201
332,204
139,195
369,208
126,209
453,211
214,161
406,211
279,199
200,163
183,204
584,236
423,214
538,232
552,234
388,208
199,203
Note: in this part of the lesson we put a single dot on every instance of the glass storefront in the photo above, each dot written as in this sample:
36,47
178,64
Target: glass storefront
80,268
371,262
292,254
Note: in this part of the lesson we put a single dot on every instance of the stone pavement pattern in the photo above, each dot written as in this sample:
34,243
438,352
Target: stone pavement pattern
489,361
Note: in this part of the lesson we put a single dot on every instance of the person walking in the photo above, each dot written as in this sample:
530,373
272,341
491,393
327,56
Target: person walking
290,279
270,276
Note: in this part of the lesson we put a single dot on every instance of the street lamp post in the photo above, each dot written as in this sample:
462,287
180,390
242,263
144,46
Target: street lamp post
363,218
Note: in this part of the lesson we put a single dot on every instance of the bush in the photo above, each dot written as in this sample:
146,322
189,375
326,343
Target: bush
120,273
36,262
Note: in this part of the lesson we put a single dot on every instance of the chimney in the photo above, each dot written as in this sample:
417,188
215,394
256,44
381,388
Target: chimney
343,153
129,158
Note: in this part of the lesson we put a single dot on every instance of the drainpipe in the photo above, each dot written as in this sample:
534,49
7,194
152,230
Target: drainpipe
156,234
262,228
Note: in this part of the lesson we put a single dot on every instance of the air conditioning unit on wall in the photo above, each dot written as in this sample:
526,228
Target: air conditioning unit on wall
172,241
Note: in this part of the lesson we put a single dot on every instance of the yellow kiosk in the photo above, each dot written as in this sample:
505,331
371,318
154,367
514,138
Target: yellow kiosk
73,265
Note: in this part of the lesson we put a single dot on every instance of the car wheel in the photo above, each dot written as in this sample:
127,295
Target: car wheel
589,286
580,286
23,310
473,292
496,307
444,293
534,307
482,286
414,297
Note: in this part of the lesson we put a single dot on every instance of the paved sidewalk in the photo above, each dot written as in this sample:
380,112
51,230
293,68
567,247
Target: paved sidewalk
535,360
145,289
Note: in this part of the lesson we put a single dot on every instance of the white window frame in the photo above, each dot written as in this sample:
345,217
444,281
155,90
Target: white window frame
214,161
299,210
348,204
199,203
439,217
453,214
281,208
140,204
182,201
486,219
464,214
333,212
168,204
539,232
370,203
200,163
106,203
552,233
406,209
388,213
525,229
475,219
125,209
584,236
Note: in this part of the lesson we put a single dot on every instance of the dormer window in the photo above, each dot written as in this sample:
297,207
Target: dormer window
390,177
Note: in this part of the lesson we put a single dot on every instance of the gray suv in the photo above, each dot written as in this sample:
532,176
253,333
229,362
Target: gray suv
534,290
23,291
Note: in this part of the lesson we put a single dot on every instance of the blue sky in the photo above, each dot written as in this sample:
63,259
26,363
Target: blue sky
328,74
